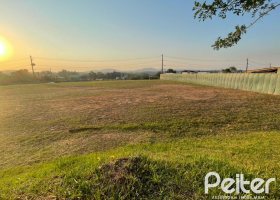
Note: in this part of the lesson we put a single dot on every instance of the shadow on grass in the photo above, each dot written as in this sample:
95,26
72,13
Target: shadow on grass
136,178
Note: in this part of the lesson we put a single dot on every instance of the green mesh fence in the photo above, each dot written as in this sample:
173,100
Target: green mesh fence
272,84
218,80
227,84
232,83
224,77
214,79
237,81
204,79
229,77
255,83
260,83
263,83
241,81
251,82
277,86
245,82
218,83
209,79
266,83
200,79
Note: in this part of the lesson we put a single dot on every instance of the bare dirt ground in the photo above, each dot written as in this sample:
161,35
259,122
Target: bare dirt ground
35,120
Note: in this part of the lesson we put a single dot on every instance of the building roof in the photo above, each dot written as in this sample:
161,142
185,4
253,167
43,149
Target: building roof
264,70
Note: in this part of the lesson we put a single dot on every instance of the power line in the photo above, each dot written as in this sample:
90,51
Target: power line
12,61
198,64
258,63
171,61
202,60
95,65
15,65
91,61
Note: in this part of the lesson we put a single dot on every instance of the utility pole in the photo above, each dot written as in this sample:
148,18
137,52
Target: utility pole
247,66
162,63
32,66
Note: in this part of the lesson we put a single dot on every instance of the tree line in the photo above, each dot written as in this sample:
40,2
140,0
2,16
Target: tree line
25,76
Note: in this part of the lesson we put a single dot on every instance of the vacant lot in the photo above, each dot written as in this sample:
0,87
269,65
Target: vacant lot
171,124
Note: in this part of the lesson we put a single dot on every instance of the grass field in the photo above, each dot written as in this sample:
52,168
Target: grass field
132,139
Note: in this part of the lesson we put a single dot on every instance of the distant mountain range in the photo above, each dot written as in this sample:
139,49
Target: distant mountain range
150,71
145,70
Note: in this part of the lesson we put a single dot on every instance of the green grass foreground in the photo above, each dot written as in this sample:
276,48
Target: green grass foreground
132,140
173,170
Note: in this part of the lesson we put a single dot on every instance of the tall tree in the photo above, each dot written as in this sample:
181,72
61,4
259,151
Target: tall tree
257,9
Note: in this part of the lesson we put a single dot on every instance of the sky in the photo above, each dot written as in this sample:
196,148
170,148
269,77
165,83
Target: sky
127,35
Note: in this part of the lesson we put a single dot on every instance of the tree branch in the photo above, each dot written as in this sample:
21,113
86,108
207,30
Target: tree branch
220,8
262,15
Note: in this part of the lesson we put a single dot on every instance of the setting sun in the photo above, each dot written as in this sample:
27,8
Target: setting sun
2,49
5,49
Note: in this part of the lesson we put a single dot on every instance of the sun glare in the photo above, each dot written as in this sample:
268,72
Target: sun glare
5,49
2,49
